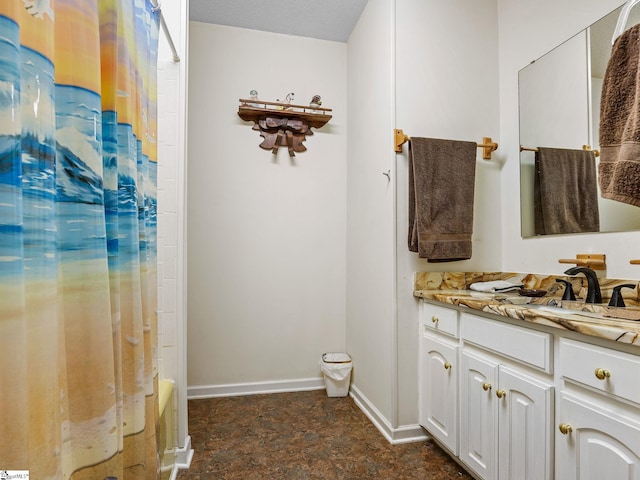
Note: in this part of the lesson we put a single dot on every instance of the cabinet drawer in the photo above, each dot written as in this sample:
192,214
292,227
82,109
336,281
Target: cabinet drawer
440,319
600,368
530,347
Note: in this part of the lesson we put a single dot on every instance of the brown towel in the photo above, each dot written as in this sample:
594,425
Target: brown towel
565,191
441,187
619,168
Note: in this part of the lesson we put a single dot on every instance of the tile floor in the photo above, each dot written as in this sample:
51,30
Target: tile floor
302,435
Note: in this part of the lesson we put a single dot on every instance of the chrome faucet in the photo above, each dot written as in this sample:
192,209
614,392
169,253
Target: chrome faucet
593,286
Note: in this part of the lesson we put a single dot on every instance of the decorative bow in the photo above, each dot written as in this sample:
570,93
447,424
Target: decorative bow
278,131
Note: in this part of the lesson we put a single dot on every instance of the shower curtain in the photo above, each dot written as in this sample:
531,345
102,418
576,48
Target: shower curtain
78,322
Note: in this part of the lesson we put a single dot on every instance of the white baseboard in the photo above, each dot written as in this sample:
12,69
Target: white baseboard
256,388
395,436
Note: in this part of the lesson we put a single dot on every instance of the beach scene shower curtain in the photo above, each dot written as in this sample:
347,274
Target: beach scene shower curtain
78,322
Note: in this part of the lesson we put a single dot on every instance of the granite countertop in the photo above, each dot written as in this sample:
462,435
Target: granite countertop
610,323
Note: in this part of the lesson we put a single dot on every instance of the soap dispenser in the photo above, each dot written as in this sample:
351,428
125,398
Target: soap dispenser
616,296
568,290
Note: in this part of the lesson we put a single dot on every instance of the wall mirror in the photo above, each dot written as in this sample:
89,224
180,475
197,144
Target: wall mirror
559,106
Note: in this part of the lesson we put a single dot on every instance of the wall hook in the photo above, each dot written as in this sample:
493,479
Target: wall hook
387,174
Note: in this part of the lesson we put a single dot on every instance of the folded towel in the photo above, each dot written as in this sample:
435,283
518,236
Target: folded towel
619,167
495,286
441,188
565,191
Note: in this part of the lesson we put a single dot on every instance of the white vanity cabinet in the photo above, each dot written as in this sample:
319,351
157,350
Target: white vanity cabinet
480,396
513,401
598,413
506,408
438,379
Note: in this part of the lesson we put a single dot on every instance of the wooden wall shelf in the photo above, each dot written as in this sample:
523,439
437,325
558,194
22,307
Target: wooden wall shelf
283,124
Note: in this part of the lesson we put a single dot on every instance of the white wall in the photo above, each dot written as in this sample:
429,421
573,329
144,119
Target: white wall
527,31
370,210
267,254
446,87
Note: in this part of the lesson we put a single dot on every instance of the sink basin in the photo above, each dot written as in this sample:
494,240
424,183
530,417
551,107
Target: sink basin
564,311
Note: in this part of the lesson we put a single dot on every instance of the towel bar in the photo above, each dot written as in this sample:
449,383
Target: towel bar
535,149
488,145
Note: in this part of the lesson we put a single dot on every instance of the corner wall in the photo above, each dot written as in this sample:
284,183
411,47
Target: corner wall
431,69
370,214
446,87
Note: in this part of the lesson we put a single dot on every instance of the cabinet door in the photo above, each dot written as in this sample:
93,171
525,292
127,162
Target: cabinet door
596,444
478,419
439,390
525,428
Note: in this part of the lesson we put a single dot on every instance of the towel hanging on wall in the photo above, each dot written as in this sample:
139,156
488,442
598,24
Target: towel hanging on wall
441,190
619,168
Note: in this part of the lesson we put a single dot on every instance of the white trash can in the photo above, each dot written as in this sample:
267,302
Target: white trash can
336,368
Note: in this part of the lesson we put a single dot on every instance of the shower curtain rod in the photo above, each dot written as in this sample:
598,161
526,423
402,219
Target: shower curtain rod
165,29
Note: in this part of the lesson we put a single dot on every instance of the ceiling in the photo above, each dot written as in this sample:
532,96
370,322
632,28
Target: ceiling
323,19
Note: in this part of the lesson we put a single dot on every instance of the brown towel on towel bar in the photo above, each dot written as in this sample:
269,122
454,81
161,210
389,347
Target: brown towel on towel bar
441,188
565,191
619,167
